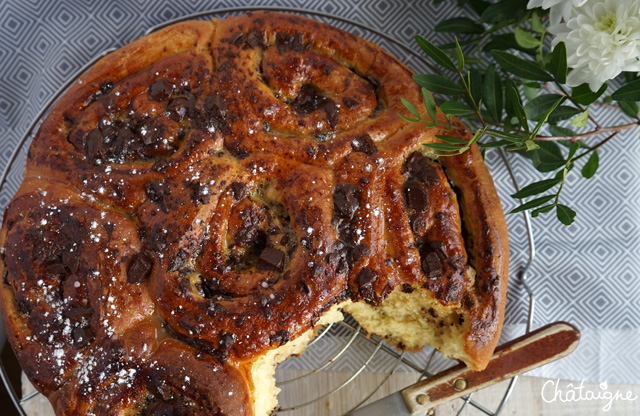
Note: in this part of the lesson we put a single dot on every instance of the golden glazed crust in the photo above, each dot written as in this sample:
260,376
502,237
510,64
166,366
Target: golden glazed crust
205,194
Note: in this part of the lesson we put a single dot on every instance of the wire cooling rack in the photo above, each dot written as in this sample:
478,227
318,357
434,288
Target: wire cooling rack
338,341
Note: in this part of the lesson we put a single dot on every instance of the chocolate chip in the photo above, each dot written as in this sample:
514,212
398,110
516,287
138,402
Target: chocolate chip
70,259
213,309
179,260
238,190
349,102
281,337
416,195
161,390
185,285
255,39
24,306
160,90
82,337
139,268
56,269
432,266
177,108
366,278
239,321
271,259
418,165
346,200
246,236
364,144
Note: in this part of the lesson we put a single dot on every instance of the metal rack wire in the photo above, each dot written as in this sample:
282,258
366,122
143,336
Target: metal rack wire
343,334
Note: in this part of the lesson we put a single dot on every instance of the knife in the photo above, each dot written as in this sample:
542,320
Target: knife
530,351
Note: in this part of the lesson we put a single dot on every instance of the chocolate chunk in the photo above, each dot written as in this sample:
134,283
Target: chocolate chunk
349,102
287,42
199,194
346,200
94,144
432,266
418,165
308,100
106,87
160,90
238,189
24,306
160,389
149,130
139,268
70,259
281,337
82,337
246,236
77,314
177,108
157,191
271,259
160,165
360,251
56,269
330,107
366,278
416,195
255,40
364,144
227,340
417,225
185,285
214,309
179,260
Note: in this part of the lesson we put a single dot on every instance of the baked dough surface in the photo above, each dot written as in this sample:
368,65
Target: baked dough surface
204,198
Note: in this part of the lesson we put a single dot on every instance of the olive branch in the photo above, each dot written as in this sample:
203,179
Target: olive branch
521,93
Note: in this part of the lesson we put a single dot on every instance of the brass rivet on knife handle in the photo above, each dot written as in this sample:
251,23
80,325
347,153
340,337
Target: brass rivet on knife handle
530,351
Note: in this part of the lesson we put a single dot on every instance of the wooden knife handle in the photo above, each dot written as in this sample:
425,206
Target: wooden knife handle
530,351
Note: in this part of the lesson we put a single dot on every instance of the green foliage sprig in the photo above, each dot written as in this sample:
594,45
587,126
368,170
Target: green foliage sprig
520,94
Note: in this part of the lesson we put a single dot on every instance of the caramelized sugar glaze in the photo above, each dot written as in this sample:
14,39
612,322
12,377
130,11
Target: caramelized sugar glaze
206,193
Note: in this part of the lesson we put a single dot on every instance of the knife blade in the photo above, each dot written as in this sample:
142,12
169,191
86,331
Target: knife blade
535,349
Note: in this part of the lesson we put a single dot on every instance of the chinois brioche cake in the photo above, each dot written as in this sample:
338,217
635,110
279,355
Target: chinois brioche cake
202,200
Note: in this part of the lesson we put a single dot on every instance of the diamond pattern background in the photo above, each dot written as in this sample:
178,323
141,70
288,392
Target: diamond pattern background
586,274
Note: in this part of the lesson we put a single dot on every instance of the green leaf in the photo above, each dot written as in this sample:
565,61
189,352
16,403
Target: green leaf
565,214
581,120
475,85
518,109
443,146
562,112
542,210
539,106
545,116
582,94
459,55
536,188
492,93
590,168
533,203
560,131
429,104
572,150
536,23
435,53
558,65
479,6
520,67
409,119
451,139
630,108
496,143
459,25
525,39
454,108
412,109
548,157
629,92
503,11
531,145
439,84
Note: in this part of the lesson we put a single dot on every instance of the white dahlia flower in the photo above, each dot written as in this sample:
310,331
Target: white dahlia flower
558,9
602,39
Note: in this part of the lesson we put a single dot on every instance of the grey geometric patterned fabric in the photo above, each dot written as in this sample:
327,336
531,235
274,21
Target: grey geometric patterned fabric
586,274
